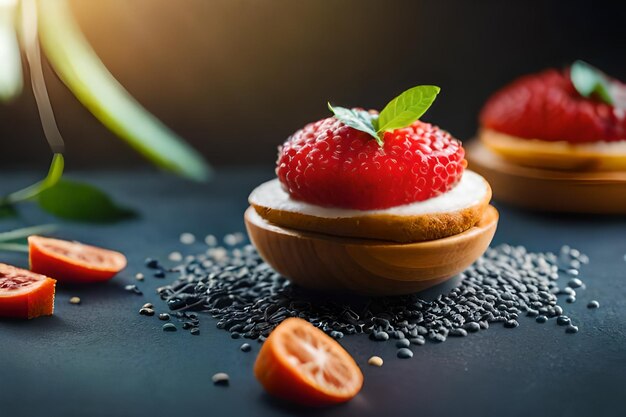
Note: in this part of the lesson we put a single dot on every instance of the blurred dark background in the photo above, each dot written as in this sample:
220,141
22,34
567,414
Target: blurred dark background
236,77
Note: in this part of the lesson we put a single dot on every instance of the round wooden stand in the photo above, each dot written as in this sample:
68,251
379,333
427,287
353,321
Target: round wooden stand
545,190
367,266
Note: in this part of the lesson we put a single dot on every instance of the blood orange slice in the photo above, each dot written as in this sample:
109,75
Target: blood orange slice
73,261
24,294
300,363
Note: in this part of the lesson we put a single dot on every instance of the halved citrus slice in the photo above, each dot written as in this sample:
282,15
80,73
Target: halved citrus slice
24,294
301,363
73,261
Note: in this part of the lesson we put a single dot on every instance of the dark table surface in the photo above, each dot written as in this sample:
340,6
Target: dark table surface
101,358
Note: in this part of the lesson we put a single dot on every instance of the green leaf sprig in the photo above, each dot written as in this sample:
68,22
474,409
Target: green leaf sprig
591,82
357,119
398,113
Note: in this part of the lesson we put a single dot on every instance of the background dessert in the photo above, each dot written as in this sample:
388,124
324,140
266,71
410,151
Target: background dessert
556,140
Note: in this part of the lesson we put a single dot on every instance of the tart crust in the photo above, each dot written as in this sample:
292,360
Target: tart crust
561,155
388,225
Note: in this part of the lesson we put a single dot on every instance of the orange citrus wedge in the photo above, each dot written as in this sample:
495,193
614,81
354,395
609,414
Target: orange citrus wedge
25,295
73,261
301,363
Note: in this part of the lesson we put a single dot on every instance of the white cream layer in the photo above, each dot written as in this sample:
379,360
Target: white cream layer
468,192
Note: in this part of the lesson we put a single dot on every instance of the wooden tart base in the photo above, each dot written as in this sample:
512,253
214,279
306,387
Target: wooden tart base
545,190
366,266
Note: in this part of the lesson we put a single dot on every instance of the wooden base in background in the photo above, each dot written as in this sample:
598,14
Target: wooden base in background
545,190
366,266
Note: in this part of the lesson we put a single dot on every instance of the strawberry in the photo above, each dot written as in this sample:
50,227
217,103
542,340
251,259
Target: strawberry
329,163
547,106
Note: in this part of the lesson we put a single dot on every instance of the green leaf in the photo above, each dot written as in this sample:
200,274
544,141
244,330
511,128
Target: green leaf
85,75
78,201
407,107
356,119
24,232
11,81
54,175
590,81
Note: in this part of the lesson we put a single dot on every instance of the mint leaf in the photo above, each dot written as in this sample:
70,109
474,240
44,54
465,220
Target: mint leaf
82,202
406,108
356,119
591,82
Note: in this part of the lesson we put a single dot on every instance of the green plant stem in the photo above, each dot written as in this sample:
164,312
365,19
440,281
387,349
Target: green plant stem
13,247
54,175
85,75
24,232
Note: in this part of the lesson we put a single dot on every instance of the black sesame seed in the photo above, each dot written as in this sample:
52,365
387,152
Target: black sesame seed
246,347
133,288
472,326
381,336
512,323
152,263
146,311
169,327
398,334
458,332
571,329
593,304
248,299
571,299
562,320
437,337
405,353
159,274
418,340
403,343
541,319
164,316
194,331
336,334
575,283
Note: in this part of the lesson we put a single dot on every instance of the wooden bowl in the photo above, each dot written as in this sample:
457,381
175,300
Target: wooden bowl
546,190
324,262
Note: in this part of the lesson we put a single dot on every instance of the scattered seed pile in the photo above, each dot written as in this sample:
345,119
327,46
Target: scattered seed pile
249,299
